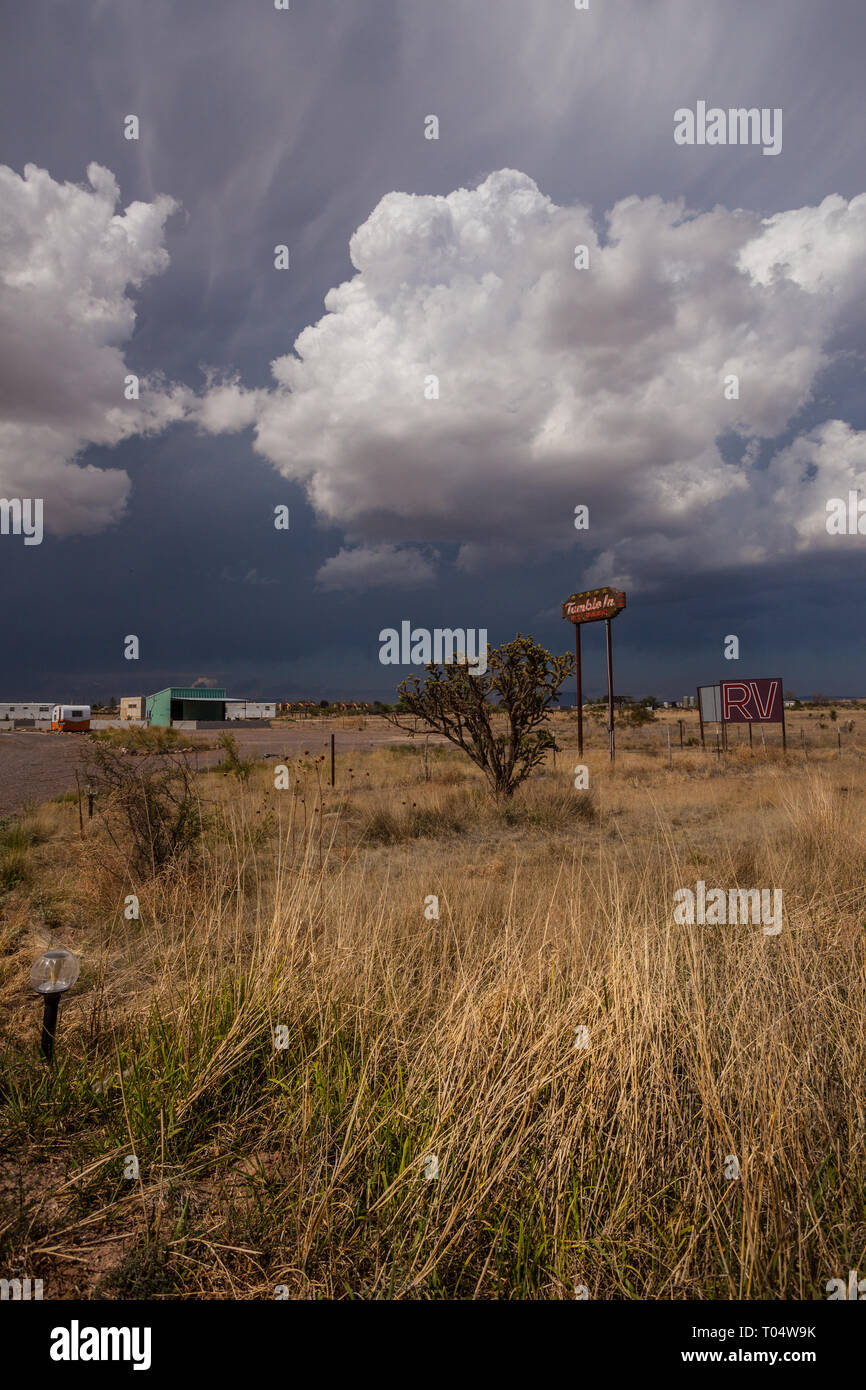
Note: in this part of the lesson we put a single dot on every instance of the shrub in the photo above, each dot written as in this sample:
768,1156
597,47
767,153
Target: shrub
154,800
152,739
232,762
14,868
639,715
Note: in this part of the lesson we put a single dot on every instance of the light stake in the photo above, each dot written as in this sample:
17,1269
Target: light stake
52,974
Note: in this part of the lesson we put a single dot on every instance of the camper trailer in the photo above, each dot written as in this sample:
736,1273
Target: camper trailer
70,719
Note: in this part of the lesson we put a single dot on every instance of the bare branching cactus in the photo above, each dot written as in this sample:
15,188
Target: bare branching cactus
496,717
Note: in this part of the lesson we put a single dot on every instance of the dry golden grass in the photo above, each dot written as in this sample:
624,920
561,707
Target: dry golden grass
408,1037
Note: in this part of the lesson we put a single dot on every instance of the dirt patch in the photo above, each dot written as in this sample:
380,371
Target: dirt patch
36,766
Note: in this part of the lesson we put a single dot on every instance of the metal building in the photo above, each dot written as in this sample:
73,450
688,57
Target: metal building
132,707
185,702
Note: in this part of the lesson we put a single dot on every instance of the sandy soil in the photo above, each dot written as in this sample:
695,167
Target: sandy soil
35,766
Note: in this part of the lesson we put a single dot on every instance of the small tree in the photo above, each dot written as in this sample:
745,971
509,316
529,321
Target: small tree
520,684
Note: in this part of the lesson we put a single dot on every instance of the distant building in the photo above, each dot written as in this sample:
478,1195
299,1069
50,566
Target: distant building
23,709
187,703
132,707
251,709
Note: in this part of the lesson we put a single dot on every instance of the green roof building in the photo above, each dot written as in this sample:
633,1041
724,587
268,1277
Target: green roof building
185,702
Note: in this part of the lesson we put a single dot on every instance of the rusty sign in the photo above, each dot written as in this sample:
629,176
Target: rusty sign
593,605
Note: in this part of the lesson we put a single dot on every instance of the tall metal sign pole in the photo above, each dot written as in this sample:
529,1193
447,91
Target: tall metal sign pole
592,607
579,689
610,732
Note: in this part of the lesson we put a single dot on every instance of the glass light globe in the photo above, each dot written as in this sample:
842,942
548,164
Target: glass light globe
54,971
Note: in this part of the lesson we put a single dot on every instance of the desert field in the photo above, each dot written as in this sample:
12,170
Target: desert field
36,765
394,1039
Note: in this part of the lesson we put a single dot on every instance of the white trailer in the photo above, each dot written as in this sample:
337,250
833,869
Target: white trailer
26,709
70,719
251,709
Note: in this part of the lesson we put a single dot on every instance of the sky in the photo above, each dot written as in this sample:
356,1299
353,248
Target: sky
438,377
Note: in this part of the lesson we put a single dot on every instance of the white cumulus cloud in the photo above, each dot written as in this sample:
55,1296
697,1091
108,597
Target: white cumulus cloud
556,385
68,260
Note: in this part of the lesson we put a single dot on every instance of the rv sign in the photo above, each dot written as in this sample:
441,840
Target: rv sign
752,702
592,606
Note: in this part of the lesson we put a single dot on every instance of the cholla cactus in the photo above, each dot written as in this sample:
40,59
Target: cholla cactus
495,717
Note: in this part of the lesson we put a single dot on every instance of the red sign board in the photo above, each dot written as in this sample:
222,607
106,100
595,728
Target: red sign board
593,605
752,702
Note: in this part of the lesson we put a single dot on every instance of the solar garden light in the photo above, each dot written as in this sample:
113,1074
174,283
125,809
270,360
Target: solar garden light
52,974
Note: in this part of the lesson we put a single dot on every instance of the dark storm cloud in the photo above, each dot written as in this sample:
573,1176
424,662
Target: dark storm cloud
272,127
